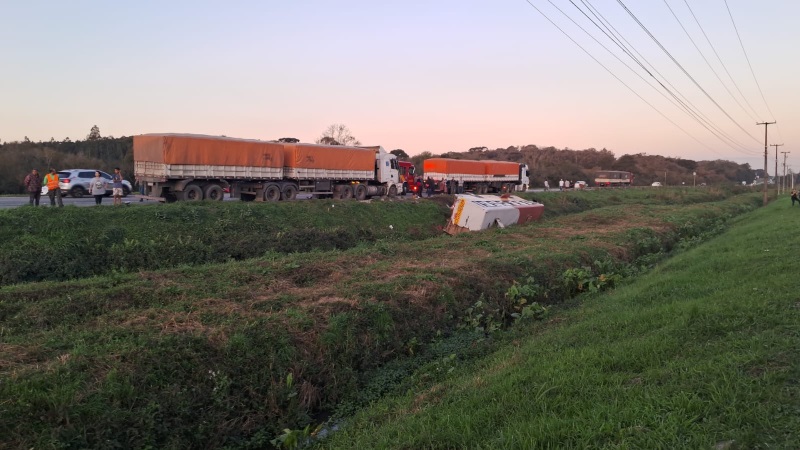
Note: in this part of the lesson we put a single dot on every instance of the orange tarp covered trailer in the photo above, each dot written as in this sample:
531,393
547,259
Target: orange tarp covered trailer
200,150
453,166
501,168
328,157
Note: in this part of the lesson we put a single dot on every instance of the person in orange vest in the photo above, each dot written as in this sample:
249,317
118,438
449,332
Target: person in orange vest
53,190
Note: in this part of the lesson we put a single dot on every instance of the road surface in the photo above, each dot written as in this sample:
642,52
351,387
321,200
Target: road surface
133,200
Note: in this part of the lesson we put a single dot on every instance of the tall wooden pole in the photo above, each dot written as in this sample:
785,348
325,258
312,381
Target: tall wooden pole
766,147
777,185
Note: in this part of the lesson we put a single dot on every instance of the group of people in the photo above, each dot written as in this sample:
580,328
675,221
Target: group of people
97,187
562,184
428,185
431,186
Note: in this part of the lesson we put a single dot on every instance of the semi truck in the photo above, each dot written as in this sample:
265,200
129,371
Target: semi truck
190,167
479,177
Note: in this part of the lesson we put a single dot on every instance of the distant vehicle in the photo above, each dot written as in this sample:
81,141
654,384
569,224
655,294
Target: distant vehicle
656,184
581,185
613,178
75,182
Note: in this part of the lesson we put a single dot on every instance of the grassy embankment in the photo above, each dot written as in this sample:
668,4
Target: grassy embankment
66,243
231,353
702,352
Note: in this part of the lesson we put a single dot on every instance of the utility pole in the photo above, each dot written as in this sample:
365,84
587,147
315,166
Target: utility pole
777,186
784,171
766,126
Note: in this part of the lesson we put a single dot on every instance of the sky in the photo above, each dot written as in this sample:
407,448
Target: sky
435,75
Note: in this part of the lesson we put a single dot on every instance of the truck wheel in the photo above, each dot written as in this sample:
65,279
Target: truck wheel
347,192
272,193
361,192
213,192
191,193
289,192
393,191
77,192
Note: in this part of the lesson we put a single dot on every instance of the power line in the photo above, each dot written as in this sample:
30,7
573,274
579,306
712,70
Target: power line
751,66
706,60
696,115
636,19
616,77
720,59
606,23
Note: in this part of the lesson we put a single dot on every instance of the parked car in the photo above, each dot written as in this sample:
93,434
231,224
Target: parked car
656,184
580,185
75,182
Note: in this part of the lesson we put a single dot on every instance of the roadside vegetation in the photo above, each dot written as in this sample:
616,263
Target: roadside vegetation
700,352
68,243
246,353
38,244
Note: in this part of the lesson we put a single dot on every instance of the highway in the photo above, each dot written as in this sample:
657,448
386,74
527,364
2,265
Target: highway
13,201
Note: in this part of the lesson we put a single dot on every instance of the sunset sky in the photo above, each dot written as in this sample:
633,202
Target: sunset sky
434,75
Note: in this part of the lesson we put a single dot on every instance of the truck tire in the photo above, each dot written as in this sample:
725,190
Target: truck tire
289,193
347,192
272,193
360,192
393,191
214,192
191,193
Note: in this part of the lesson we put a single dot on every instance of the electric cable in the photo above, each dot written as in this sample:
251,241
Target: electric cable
616,77
680,104
636,19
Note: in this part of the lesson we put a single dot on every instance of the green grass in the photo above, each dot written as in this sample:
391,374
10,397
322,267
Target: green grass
39,244
200,355
701,351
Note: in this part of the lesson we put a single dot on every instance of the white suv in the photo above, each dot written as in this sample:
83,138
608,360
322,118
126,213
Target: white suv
75,182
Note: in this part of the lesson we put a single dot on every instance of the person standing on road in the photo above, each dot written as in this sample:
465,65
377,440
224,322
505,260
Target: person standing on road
116,186
546,186
53,189
794,197
561,184
566,184
33,184
97,187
